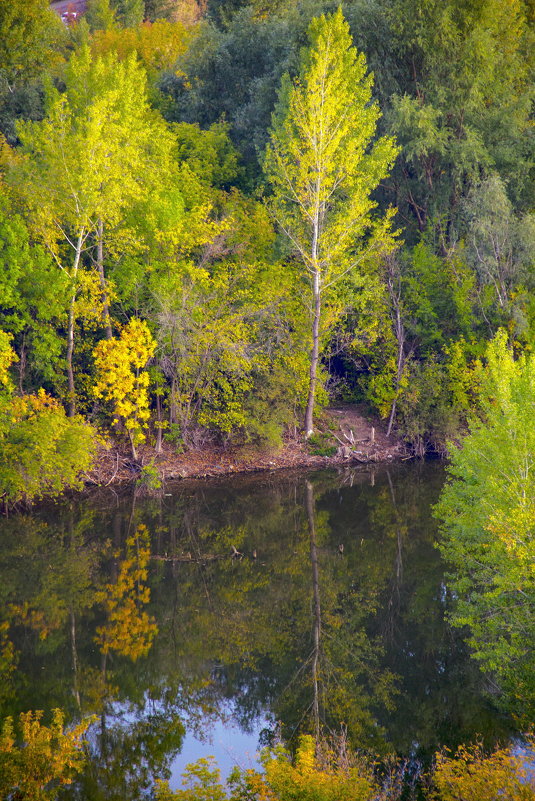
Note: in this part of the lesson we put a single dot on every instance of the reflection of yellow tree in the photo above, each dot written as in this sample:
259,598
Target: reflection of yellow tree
129,629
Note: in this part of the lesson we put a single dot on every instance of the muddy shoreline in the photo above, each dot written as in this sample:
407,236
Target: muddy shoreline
352,438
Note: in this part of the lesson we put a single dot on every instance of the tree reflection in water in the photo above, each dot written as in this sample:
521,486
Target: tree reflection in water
317,597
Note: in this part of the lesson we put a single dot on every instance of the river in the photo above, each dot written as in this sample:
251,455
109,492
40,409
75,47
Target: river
215,617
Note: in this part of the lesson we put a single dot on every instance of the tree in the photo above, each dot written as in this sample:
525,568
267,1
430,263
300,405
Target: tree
31,35
474,774
322,169
50,756
100,16
34,295
122,379
100,151
157,46
316,772
130,12
488,514
463,105
41,451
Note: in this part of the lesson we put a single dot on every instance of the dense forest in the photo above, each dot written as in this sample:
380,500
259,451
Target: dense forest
215,218
218,217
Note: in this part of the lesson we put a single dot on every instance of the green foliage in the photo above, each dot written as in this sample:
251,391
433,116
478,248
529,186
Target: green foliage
322,168
201,781
210,154
150,478
436,398
234,75
114,214
34,299
320,444
229,330
29,32
488,514
463,106
129,12
42,452
100,15
31,38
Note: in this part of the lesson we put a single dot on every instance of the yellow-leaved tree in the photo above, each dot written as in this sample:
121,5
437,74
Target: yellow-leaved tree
49,756
475,775
122,379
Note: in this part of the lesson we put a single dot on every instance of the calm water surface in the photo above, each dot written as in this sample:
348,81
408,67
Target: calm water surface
217,615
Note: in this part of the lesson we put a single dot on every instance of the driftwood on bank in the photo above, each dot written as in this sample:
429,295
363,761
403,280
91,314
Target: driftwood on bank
348,447
360,441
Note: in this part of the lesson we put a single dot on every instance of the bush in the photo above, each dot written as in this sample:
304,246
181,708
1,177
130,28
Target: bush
42,451
473,775
321,445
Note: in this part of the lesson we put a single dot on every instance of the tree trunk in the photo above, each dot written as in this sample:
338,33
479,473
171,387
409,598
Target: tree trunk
100,266
70,350
314,357
71,408
158,447
400,337
400,333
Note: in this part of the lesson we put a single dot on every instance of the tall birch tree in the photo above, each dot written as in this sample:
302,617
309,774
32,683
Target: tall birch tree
323,165
99,152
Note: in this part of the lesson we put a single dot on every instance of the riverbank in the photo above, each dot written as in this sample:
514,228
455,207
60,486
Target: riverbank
345,436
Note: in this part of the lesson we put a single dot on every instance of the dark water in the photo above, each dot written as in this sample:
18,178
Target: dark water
273,604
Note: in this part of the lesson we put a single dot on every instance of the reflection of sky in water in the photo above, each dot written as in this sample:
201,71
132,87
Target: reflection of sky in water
527,755
225,741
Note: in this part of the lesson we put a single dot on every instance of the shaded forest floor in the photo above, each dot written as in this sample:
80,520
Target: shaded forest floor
345,435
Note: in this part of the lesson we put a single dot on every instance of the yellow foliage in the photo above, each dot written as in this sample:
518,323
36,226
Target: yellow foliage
48,756
28,406
306,780
121,378
88,303
158,45
472,775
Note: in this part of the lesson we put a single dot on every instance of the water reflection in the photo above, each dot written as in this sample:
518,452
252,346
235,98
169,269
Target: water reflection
318,597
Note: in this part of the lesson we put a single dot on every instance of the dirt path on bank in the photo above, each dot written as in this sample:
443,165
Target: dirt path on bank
345,432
